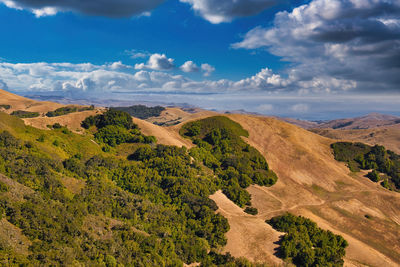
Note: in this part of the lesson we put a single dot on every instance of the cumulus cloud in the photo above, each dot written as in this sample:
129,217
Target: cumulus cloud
87,78
189,66
108,8
336,44
217,11
207,69
157,62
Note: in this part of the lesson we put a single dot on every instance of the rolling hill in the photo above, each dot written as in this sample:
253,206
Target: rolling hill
311,183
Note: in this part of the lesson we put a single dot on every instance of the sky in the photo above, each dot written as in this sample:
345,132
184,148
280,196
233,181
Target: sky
318,59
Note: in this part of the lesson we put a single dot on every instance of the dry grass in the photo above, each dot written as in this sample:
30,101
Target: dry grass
311,183
21,103
12,236
387,136
74,185
249,236
72,120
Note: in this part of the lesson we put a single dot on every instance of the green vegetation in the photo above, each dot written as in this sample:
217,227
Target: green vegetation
251,210
305,244
67,110
25,114
116,127
150,210
360,156
5,106
235,163
141,111
374,176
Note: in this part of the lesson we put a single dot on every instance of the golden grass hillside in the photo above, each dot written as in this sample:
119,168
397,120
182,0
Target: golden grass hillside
313,184
388,136
21,103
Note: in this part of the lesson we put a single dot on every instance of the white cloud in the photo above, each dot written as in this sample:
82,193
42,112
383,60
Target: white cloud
137,53
265,107
335,45
301,108
189,66
157,62
217,11
3,85
108,8
119,66
207,69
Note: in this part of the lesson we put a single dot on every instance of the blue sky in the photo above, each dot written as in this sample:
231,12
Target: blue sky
251,49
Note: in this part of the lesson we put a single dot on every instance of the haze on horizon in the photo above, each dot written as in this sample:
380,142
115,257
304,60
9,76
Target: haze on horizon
318,59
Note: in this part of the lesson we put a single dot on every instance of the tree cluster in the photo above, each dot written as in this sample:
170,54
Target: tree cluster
116,127
305,244
221,148
25,114
376,158
66,110
141,111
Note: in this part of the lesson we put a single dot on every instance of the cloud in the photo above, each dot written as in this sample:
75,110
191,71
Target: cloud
87,78
301,108
265,107
137,53
157,62
217,11
189,66
336,44
207,69
3,85
119,66
108,8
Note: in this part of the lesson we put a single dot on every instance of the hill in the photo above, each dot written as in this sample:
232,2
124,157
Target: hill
10,103
311,183
17,102
372,120
369,121
388,136
147,207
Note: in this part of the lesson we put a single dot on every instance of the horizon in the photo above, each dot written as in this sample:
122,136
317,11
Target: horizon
310,60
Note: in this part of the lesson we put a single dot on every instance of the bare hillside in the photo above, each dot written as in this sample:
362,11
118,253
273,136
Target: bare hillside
21,103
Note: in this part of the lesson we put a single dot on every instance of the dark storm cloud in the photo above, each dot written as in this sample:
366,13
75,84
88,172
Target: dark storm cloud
108,8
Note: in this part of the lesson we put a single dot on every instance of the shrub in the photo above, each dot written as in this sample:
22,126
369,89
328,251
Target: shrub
57,125
374,176
251,210
5,106
3,187
25,114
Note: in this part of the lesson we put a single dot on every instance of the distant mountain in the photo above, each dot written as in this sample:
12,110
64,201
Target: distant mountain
372,120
